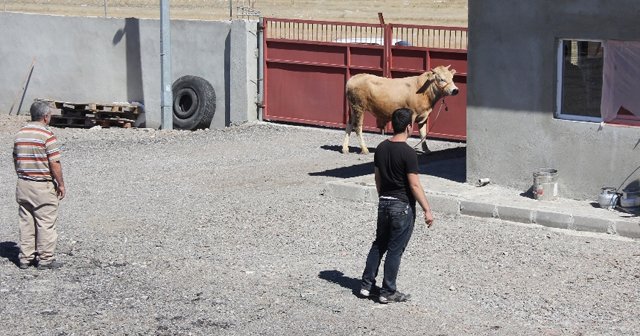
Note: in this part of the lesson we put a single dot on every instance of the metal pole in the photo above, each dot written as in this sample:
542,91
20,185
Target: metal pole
230,10
105,8
166,120
260,69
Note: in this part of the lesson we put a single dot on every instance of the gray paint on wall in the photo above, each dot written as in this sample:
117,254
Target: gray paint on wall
511,128
107,60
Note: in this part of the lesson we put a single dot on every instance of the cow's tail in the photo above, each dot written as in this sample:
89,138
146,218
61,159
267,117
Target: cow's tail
354,103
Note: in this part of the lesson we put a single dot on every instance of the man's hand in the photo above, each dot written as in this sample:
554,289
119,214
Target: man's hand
56,173
418,193
60,191
428,218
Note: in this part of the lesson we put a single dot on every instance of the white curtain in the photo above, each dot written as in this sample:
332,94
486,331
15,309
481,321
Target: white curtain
621,78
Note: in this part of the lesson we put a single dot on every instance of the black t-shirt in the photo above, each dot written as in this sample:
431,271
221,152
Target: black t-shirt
394,161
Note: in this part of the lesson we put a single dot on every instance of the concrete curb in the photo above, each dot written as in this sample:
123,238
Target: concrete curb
500,208
627,228
514,214
477,209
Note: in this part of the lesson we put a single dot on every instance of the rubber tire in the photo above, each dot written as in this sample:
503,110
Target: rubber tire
194,103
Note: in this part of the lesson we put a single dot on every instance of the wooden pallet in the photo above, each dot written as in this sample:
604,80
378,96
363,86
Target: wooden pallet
117,122
88,122
68,121
90,114
95,107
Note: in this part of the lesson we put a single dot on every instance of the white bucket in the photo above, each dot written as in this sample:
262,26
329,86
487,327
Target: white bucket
545,184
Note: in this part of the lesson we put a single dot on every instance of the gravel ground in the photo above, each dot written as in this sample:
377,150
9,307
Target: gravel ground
227,232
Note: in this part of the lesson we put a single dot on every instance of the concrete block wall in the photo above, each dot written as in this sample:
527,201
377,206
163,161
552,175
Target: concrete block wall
104,60
511,129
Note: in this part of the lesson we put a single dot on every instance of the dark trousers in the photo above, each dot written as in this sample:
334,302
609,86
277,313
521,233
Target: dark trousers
395,226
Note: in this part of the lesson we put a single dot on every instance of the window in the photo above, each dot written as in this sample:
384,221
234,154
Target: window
580,79
599,81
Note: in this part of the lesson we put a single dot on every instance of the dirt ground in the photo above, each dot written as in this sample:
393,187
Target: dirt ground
422,12
229,232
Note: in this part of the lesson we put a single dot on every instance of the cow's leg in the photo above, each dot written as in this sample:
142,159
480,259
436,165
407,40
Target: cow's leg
345,143
423,135
358,126
354,116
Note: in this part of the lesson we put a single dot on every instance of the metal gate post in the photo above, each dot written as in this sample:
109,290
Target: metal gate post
387,50
265,54
347,112
261,67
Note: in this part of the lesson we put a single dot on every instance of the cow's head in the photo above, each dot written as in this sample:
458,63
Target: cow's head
442,79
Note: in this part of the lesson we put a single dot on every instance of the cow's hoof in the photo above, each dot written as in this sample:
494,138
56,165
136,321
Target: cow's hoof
425,148
364,152
345,150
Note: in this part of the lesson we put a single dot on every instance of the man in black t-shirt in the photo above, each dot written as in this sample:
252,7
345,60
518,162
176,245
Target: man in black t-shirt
399,187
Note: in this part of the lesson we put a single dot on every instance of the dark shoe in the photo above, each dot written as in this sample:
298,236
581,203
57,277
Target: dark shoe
52,265
395,297
26,265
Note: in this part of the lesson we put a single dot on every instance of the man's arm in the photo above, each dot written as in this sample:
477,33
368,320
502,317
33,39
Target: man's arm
56,172
418,194
378,181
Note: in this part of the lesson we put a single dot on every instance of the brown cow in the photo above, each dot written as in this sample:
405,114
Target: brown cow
381,96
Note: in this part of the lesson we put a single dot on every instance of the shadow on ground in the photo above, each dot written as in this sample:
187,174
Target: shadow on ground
630,212
448,163
350,171
347,172
339,278
528,193
338,149
10,251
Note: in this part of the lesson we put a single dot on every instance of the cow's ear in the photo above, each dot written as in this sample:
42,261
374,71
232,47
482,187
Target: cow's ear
453,71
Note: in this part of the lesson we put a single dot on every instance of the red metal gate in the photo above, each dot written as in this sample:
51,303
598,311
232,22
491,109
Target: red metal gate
307,64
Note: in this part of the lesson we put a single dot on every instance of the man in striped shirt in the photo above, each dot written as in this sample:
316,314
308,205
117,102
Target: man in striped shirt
36,157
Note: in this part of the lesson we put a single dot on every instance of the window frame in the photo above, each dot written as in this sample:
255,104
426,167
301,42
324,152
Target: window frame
559,73
620,120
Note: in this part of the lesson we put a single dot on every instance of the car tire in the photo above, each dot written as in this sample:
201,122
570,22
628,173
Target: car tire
194,103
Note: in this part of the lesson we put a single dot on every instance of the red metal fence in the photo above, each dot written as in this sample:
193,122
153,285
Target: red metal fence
307,64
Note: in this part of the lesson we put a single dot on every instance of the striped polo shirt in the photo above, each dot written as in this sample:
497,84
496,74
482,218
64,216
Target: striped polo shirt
34,148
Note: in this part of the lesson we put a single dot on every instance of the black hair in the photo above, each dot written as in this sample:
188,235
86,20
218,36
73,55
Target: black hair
400,119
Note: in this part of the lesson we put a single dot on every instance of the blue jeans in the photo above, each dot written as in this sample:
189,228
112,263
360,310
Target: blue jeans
395,226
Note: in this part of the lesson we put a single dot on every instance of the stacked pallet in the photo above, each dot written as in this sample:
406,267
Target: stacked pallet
87,115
